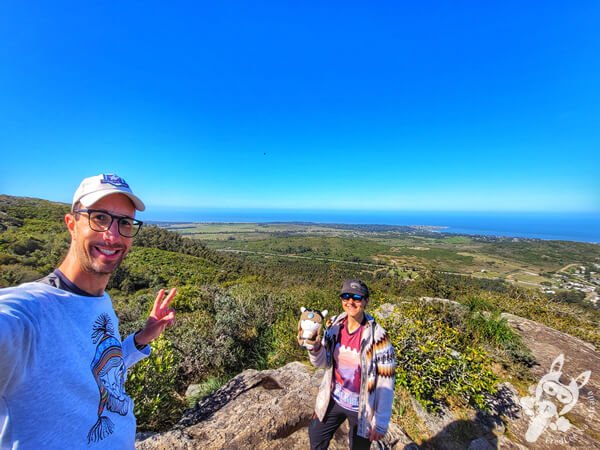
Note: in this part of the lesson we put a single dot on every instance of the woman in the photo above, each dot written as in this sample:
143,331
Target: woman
359,381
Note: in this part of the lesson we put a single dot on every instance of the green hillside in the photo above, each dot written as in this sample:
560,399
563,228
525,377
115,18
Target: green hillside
241,288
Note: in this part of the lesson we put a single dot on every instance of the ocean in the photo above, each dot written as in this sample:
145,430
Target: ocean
581,227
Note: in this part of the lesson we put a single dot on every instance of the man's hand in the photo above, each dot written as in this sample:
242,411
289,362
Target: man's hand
374,435
160,317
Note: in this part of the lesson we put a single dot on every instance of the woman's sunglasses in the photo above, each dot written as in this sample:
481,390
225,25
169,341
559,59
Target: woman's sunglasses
356,297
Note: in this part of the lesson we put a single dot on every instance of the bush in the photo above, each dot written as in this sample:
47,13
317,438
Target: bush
14,274
495,331
220,333
151,383
436,362
285,346
569,296
192,298
26,245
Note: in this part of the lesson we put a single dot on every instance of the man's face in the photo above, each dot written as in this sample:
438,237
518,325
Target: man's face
101,252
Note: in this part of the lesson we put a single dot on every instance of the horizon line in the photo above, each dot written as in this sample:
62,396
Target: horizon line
150,207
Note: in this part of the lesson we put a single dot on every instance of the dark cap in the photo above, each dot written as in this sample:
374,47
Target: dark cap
353,286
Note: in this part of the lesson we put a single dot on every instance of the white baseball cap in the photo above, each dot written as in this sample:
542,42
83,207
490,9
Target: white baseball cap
94,188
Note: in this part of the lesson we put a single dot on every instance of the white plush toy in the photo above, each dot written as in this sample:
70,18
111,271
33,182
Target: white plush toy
309,327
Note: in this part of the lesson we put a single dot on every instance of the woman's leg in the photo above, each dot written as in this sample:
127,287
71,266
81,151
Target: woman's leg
355,441
320,433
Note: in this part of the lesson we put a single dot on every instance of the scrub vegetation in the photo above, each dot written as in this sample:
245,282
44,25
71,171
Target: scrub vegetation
241,288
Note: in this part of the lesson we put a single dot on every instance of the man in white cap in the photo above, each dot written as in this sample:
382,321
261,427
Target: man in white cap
62,362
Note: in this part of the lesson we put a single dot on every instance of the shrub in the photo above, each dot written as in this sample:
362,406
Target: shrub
191,298
285,346
14,274
478,303
436,362
569,296
151,383
223,333
26,245
495,331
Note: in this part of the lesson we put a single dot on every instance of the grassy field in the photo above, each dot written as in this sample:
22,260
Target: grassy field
522,261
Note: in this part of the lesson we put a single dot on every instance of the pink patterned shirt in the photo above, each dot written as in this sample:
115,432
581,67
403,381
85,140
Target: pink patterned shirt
346,368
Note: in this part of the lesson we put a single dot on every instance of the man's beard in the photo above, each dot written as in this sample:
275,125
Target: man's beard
89,264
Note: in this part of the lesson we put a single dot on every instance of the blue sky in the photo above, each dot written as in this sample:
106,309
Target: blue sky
470,106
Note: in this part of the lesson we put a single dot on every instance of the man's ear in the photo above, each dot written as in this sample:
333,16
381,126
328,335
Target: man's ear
70,222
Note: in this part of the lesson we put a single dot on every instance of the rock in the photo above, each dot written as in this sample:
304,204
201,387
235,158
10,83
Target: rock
395,439
441,300
546,344
141,435
255,410
258,410
480,444
386,310
506,444
192,391
503,407
506,413
435,423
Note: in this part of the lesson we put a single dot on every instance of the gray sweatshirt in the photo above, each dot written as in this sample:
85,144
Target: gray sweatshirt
62,371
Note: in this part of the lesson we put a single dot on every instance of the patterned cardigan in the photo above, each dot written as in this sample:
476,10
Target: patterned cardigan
377,365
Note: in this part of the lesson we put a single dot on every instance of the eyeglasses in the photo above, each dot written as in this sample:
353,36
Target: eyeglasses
345,297
102,221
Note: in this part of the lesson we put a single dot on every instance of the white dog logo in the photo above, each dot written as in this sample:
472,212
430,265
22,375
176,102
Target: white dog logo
550,395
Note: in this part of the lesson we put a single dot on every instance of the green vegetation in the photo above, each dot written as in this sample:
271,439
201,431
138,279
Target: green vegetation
528,263
150,383
241,287
439,363
207,387
485,324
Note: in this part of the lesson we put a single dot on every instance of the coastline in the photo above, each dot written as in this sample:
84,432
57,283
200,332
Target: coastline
580,227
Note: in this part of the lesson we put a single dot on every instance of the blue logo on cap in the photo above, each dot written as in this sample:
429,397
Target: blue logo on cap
115,180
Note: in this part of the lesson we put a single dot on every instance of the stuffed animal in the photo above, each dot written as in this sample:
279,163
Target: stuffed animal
309,327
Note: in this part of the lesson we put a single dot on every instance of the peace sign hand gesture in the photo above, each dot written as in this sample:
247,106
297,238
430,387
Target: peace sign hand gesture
160,317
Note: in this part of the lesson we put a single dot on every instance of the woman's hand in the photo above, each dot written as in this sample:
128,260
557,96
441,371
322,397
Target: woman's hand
375,436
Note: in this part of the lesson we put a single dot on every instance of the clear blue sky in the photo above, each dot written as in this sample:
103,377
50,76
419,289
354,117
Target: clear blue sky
337,105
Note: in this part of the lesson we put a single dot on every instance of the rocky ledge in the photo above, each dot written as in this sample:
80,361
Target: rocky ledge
271,409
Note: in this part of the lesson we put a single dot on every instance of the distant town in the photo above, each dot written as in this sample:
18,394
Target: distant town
578,278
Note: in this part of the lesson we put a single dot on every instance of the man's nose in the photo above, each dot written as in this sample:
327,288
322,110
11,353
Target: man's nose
113,231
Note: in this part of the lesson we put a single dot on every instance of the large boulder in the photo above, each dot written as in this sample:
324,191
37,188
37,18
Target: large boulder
267,409
546,345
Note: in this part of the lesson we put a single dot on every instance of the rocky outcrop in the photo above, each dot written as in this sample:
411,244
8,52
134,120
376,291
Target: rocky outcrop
546,344
271,409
